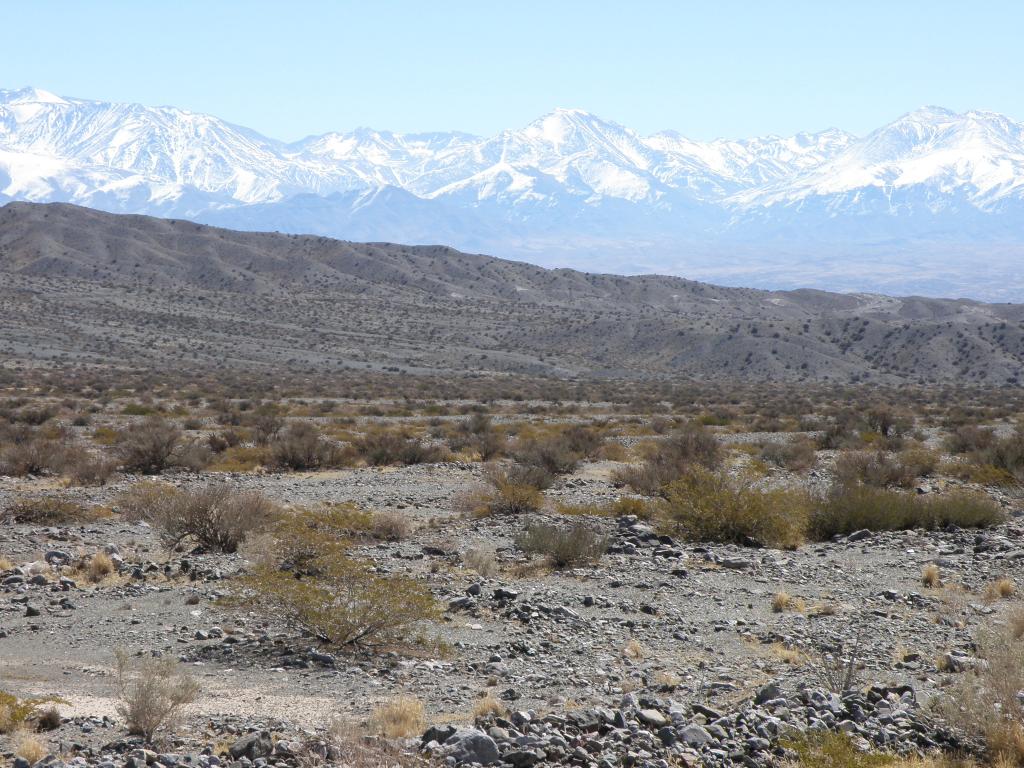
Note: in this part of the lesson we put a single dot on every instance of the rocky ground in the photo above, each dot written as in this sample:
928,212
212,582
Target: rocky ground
664,652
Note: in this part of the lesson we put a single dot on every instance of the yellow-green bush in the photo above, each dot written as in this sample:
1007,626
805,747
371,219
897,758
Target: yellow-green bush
315,582
851,508
708,506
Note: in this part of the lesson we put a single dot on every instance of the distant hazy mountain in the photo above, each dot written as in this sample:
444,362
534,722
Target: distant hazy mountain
932,203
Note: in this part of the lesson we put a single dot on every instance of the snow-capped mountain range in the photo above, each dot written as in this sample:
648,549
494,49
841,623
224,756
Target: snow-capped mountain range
931,203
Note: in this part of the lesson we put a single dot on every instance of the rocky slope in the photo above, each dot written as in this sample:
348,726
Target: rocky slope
81,285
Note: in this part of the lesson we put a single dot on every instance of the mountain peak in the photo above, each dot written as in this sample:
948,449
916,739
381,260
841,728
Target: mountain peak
30,95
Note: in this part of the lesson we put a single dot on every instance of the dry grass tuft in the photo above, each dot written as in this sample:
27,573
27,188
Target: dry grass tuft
29,746
633,650
930,576
488,705
1000,589
483,561
398,718
99,567
783,601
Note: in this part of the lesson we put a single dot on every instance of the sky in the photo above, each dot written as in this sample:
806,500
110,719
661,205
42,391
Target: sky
708,70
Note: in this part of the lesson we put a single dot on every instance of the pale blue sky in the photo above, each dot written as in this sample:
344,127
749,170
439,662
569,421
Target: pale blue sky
708,69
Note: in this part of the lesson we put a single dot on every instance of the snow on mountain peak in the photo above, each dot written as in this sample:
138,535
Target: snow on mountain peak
29,95
556,171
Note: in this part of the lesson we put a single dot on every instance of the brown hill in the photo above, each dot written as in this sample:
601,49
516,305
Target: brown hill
81,285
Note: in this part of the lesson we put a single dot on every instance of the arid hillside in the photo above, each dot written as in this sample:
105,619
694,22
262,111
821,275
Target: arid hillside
83,286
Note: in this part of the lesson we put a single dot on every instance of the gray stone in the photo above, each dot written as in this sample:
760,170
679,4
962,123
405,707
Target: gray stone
252,746
468,745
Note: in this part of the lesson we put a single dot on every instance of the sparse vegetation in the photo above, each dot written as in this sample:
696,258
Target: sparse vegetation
398,718
708,506
152,692
563,547
315,582
852,508
216,517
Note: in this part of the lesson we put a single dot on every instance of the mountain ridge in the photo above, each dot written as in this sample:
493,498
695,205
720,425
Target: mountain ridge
82,286
918,196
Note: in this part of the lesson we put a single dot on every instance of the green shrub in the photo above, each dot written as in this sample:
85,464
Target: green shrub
16,714
300,447
315,583
834,750
852,508
708,506
671,458
563,547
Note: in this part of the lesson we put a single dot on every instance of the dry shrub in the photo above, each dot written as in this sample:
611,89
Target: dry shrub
346,745
86,469
148,446
28,746
986,701
671,458
48,510
852,508
528,475
509,499
634,650
216,517
563,547
137,502
483,561
390,526
553,455
919,461
240,458
194,455
398,718
489,705
970,438
380,448
267,423
930,576
99,567
708,506
1005,454
982,474
478,435
795,456
27,452
877,469
152,693
783,601
301,447
1000,589
314,582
